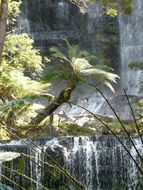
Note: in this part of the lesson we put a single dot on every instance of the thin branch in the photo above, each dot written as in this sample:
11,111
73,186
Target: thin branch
12,182
137,127
23,175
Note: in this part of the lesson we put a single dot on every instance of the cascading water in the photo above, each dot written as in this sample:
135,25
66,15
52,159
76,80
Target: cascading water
131,48
98,162
48,22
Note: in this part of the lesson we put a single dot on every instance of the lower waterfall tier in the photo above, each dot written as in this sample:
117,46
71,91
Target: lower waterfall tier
98,162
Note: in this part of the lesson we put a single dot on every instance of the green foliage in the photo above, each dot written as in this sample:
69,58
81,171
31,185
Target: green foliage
56,72
14,104
110,7
21,165
14,84
113,8
120,185
19,53
13,10
76,65
127,10
19,62
20,110
112,12
136,65
73,51
19,58
66,129
117,128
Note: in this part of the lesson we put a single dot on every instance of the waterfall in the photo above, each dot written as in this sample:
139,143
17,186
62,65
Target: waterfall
100,162
131,48
23,21
48,22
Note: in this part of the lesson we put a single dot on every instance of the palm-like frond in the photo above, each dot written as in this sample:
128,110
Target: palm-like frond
19,102
100,76
58,54
72,51
21,109
83,68
56,72
80,64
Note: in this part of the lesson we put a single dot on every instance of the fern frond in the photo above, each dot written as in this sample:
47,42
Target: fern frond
73,50
56,72
106,83
82,67
97,73
81,64
20,102
104,67
58,54
100,76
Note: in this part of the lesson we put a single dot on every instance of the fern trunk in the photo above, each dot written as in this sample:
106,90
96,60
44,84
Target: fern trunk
45,113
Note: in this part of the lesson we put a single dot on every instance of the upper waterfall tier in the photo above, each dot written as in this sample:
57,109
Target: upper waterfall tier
116,41
131,48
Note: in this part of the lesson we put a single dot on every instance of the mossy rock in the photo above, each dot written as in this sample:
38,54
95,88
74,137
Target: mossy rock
66,129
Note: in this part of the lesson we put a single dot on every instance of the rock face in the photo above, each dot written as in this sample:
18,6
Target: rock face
48,22
121,106
98,162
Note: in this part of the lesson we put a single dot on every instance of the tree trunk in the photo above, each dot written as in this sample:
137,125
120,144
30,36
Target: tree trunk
3,21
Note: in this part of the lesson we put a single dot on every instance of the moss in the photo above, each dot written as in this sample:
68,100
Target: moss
75,130
4,135
135,65
127,10
118,129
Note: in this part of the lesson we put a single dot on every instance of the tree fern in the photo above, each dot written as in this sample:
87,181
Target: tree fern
80,67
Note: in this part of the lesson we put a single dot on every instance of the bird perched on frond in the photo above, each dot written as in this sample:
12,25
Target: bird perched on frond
64,96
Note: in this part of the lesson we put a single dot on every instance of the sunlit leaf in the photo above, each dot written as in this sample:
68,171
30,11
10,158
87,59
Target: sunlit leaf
8,156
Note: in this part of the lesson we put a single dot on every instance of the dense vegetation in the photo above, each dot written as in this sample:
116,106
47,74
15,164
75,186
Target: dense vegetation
22,83
110,7
21,69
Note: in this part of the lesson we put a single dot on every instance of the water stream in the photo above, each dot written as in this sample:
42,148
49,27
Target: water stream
131,48
100,162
